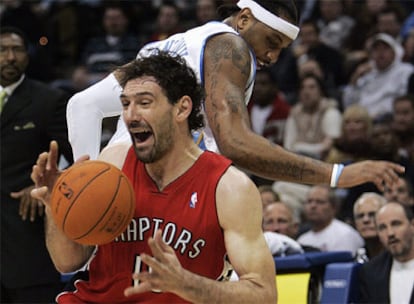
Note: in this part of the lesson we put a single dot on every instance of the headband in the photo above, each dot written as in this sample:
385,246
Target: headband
270,19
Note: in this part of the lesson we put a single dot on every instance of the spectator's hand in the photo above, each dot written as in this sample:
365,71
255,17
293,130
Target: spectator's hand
29,206
360,71
381,173
166,271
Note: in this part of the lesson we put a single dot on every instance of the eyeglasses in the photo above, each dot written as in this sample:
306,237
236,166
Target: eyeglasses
360,216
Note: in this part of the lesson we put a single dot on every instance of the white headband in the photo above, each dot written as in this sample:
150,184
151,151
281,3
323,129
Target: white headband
270,19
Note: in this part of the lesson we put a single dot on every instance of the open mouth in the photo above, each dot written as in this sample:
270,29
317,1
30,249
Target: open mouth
141,137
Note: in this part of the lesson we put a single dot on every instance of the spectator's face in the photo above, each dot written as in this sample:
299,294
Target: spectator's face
399,192
267,198
383,55
308,35
318,209
403,118
383,139
265,90
355,128
115,22
330,9
310,93
396,232
13,58
278,218
388,23
167,19
364,217
206,11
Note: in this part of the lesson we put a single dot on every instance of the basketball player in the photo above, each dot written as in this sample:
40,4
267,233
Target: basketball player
224,56
193,208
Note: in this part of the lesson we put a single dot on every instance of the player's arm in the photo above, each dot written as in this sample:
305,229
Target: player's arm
85,111
226,69
66,255
240,215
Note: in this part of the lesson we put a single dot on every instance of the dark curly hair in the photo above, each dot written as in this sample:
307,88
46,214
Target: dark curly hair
174,77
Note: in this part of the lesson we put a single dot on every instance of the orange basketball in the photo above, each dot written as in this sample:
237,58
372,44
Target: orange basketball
92,202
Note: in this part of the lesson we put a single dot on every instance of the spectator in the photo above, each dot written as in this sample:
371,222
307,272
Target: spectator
385,146
326,232
116,46
334,25
167,23
268,111
403,124
390,20
389,277
402,191
281,218
375,86
365,209
32,115
268,195
310,46
206,11
314,121
353,144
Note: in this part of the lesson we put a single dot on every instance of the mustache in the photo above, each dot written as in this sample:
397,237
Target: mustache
10,65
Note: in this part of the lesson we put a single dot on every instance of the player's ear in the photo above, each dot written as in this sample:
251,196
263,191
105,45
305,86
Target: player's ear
244,18
183,108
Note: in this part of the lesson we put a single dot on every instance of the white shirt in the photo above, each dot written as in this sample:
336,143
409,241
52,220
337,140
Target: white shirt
401,282
338,236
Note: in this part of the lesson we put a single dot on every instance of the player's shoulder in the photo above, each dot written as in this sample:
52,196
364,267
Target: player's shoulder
115,154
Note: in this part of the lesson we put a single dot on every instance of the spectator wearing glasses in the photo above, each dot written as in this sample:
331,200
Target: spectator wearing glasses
365,209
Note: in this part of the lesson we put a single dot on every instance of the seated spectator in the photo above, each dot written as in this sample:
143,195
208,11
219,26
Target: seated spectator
353,144
268,195
116,46
206,11
167,23
268,111
281,218
326,232
390,19
314,122
310,46
389,277
333,24
403,124
365,209
402,191
385,145
385,78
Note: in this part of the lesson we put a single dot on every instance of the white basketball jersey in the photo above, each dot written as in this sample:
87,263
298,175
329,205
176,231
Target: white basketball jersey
190,45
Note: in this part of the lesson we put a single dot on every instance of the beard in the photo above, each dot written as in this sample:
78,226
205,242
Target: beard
162,142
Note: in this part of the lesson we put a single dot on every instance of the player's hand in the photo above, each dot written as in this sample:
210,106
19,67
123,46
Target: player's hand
45,173
29,206
381,173
166,271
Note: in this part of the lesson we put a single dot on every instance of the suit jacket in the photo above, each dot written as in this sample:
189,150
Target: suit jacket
33,115
374,278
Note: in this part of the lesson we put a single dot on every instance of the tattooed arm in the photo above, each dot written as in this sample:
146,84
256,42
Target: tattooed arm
226,70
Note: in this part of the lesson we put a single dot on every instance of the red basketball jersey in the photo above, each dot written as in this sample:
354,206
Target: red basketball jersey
185,211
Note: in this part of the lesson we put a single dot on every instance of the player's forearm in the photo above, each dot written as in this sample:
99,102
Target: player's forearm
85,111
259,156
67,256
197,289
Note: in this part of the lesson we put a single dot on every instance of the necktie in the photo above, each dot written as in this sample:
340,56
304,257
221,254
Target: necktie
3,96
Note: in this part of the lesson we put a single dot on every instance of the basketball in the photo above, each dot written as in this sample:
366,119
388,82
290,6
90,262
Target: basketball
92,202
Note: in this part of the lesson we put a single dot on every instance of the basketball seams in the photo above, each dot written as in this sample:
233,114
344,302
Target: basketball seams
107,169
108,208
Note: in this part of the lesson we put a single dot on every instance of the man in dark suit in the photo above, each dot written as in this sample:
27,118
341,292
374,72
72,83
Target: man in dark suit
389,277
31,115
